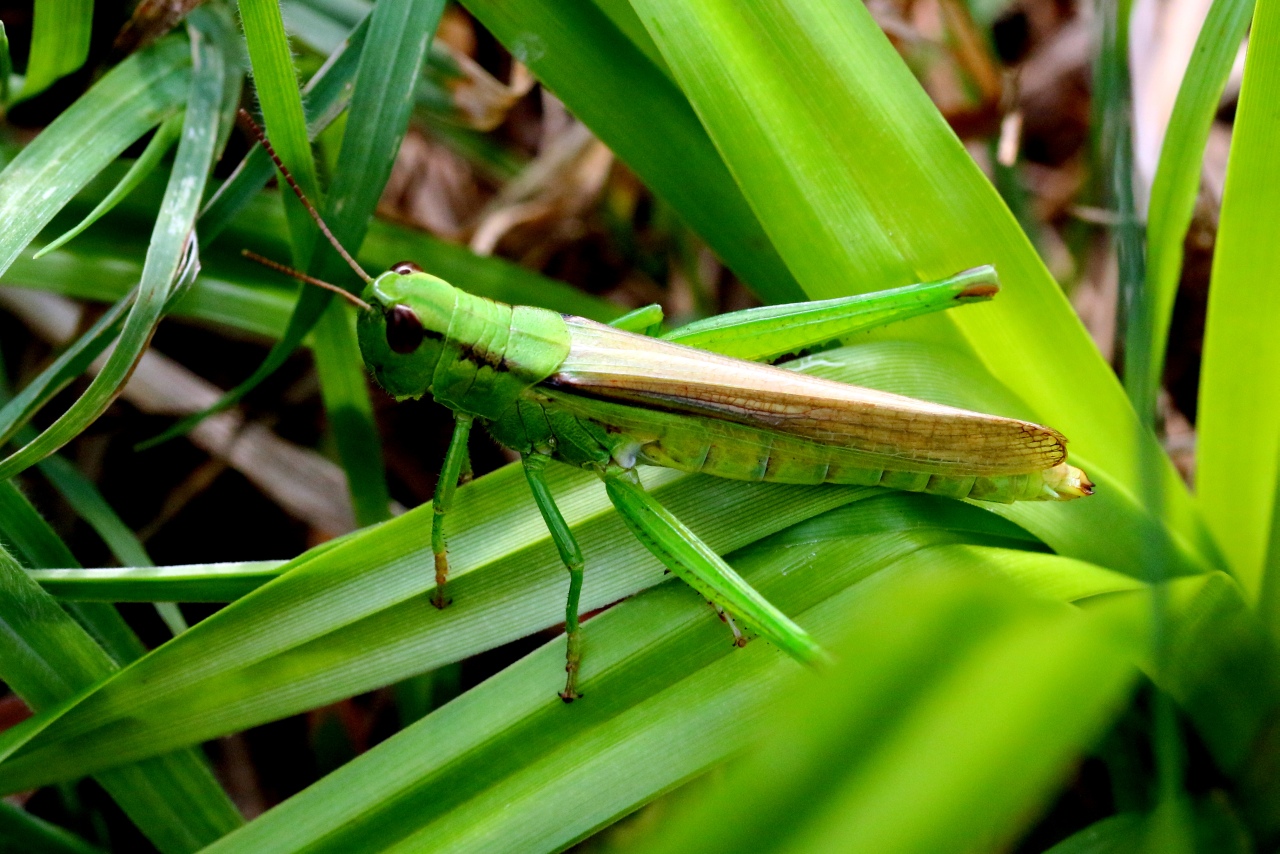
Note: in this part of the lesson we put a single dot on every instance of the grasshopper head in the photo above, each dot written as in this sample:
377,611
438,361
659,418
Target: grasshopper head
401,336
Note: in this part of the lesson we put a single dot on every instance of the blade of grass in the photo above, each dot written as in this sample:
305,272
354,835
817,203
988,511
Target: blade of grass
343,385
665,708
1174,191
778,85
165,136
1239,413
60,32
219,582
6,66
70,364
904,725
132,98
609,83
46,659
20,831
170,256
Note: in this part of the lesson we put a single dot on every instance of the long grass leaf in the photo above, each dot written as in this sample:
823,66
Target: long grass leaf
170,257
165,136
23,833
48,658
778,85
837,764
665,709
132,98
1239,413
631,104
60,34
1173,194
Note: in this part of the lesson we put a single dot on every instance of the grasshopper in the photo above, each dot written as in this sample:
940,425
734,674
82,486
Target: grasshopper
704,398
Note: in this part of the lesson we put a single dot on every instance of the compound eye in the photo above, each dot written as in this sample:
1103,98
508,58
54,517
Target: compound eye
404,268
404,329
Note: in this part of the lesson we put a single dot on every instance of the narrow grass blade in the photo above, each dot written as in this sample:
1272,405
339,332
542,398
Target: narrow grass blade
778,84
145,583
1173,194
1239,413
631,104
132,98
47,658
906,719
70,364
60,34
276,85
170,257
327,94
668,699
6,66
165,136
21,832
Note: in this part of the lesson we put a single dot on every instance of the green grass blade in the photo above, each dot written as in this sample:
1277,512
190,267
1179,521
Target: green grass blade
344,388
276,85
1239,413
327,94
899,723
47,658
70,364
6,66
222,582
610,84
169,257
1173,193
165,136
668,698
343,385
132,98
23,833
60,34
778,84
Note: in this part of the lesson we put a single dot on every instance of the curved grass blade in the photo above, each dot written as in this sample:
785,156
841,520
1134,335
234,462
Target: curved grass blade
6,66
1239,413
668,699
778,84
1173,194
20,831
170,257
871,757
132,98
376,122
217,582
60,34
609,83
71,363
165,136
46,659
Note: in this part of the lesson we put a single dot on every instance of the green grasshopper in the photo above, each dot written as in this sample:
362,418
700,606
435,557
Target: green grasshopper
703,398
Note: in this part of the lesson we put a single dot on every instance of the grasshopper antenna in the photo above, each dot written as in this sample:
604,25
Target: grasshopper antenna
310,280
306,203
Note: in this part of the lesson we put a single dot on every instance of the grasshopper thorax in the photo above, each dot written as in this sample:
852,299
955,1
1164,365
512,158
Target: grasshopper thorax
422,335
